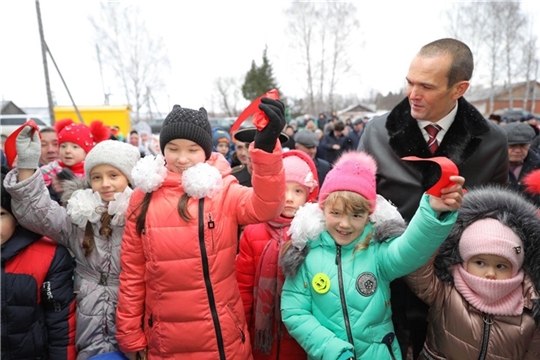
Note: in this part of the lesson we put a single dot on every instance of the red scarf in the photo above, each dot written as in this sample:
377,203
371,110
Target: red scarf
267,290
77,169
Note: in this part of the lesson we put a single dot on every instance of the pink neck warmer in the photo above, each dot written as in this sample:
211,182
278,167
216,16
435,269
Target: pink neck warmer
495,297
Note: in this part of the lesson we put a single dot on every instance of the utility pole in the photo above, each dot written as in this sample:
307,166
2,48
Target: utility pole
105,95
45,67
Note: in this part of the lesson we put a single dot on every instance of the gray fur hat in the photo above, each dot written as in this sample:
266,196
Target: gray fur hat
504,205
116,153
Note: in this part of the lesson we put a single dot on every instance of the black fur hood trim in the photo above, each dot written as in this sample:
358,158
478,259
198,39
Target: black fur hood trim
460,142
512,210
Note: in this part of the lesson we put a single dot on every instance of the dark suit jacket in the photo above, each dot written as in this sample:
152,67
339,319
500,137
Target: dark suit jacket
477,146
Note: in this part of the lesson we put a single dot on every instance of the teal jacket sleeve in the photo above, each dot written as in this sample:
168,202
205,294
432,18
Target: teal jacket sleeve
423,236
296,311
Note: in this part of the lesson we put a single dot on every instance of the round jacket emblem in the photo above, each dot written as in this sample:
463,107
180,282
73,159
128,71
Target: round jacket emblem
321,283
366,284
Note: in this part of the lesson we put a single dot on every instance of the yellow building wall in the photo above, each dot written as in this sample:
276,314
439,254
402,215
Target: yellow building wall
109,115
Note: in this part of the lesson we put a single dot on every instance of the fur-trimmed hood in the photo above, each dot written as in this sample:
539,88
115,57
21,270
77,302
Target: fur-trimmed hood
388,225
460,142
512,210
72,185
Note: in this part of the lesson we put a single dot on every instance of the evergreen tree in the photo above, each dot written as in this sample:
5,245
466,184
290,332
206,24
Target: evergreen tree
259,80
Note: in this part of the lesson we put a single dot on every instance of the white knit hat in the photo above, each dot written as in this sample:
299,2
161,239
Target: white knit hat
116,153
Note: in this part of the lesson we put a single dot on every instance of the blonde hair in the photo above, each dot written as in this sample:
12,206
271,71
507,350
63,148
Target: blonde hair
353,203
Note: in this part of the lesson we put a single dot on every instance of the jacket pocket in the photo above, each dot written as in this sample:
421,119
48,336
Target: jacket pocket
236,322
151,328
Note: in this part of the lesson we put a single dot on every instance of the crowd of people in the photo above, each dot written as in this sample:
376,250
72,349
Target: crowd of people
278,242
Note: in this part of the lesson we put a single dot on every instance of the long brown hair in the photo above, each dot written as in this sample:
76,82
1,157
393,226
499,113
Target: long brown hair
89,242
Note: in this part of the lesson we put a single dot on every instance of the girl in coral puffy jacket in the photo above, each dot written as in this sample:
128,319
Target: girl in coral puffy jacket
178,296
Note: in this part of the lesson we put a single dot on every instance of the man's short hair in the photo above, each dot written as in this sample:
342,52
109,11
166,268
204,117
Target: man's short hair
462,66
339,126
47,130
133,132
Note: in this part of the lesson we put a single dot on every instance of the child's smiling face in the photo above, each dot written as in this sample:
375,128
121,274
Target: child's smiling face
345,227
491,267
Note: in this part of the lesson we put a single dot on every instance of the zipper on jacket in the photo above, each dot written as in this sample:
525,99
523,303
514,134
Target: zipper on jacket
208,283
488,321
237,323
211,226
342,297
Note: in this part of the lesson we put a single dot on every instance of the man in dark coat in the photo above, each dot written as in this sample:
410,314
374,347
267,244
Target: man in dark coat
438,78
523,159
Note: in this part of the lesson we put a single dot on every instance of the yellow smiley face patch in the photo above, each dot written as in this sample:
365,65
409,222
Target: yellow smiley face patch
321,283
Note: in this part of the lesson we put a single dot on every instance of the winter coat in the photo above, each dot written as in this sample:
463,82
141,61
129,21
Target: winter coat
457,330
38,305
252,244
96,275
178,278
475,145
339,300
328,140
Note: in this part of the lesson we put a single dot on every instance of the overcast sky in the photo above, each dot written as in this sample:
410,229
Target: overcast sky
205,40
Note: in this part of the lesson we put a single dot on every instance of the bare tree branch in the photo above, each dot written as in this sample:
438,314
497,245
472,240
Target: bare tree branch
138,60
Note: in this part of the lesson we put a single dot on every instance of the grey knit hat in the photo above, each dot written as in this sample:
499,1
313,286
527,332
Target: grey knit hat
183,123
121,155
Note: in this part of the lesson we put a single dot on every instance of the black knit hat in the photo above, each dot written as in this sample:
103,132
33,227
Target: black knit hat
5,197
183,123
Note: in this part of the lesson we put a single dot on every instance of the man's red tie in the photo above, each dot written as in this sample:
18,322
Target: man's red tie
432,130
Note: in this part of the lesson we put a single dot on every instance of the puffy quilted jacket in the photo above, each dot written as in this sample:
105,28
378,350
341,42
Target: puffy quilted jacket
96,275
38,305
252,244
178,278
456,330
339,300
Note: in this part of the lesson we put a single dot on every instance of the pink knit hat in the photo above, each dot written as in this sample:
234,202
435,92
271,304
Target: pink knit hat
300,168
491,237
354,171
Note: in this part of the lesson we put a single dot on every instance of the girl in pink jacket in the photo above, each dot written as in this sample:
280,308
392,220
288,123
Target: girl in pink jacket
178,296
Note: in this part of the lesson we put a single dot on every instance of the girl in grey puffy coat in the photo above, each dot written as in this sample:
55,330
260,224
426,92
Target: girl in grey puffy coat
91,226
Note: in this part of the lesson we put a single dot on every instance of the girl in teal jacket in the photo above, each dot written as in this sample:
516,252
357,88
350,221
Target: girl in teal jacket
343,256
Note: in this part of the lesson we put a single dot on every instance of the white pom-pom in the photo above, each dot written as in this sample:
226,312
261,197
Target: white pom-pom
307,224
118,207
83,206
149,172
202,180
384,211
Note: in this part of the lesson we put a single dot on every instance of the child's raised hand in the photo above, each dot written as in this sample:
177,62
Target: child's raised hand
28,146
451,198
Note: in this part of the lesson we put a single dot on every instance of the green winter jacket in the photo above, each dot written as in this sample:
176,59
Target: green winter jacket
354,314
